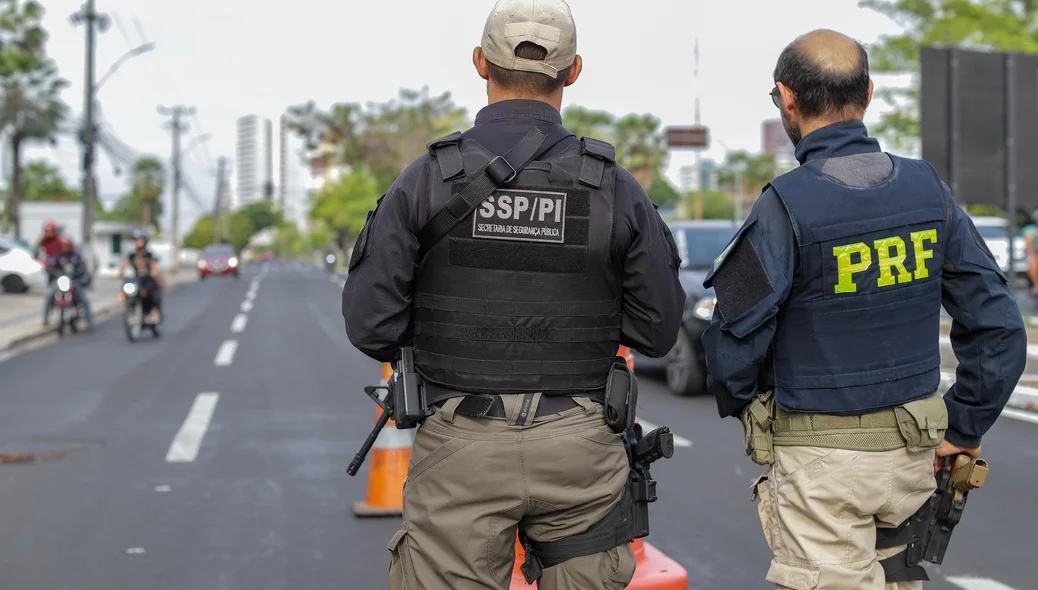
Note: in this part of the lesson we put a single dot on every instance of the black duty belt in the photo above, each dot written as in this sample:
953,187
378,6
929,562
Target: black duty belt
492,406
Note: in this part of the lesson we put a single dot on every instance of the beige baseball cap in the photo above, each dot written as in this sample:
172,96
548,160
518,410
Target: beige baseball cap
548,23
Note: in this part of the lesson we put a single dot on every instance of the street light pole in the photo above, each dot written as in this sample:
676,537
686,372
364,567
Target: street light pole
136,51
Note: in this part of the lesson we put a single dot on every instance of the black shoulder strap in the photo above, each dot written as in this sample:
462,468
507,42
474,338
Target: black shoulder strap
447,152
595,155
498,172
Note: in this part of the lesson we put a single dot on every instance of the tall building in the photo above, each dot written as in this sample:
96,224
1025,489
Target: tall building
253,161
774,141
283,156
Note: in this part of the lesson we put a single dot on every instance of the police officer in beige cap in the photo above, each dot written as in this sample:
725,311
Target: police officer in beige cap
512,261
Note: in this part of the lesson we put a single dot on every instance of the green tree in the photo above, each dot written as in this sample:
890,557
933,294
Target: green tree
202,232
586,123
289,241
718,205
43,182
757,170
343,205
382,138
147,178
992,25
662,193
261,214
30,105
640,146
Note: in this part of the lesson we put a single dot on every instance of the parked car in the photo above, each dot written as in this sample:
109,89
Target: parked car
217,260
699,243
993,230
19,271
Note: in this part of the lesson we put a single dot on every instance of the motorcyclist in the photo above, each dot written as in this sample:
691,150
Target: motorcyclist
49,242
149,277
68,261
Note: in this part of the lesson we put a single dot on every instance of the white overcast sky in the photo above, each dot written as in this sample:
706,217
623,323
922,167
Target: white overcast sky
232,57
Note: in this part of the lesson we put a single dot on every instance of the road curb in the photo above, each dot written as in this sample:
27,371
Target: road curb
1024,398
101,313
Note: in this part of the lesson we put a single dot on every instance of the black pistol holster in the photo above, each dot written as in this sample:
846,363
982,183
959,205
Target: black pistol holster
629,519
927,532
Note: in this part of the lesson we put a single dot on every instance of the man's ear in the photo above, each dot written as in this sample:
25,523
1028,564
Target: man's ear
574,71
480,61
869,100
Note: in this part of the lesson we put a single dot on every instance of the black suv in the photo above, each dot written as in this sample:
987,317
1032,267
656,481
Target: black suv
699,243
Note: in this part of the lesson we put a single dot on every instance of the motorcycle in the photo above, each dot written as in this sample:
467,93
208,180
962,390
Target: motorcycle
134,319
329,263
66,301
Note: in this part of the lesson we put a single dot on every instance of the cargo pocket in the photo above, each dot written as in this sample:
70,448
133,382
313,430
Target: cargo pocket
922,423
762,493
789,576
757,418
401,570
623,561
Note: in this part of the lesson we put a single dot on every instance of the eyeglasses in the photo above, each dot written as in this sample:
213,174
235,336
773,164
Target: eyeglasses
776,97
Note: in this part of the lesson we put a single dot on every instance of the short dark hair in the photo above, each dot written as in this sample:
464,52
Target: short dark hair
532,83
821,90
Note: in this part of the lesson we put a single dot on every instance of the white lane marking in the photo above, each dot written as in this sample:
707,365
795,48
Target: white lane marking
251,295
135,550
970,583
162,489
186,443
1032,349
679,441
225,356
246,306
1020,415
239,322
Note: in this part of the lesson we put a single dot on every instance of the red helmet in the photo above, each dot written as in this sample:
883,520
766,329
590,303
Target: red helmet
50,226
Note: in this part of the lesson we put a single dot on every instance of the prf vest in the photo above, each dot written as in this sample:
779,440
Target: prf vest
524,294
859,330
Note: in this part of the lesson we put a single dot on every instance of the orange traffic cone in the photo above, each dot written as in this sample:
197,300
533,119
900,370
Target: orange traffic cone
653,569
389,459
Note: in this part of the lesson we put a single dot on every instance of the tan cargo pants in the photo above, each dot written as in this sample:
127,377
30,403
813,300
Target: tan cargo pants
820,508
471,482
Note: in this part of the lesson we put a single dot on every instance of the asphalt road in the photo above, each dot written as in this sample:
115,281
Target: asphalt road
255,496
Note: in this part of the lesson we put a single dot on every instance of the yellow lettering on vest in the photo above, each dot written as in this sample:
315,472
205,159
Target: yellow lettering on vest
845,269
922,254
888,262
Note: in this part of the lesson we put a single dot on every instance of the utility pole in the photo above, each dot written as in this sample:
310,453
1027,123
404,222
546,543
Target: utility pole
89,16
176,127
699,166
221,167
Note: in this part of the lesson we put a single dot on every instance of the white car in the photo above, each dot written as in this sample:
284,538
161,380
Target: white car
993,230
19,271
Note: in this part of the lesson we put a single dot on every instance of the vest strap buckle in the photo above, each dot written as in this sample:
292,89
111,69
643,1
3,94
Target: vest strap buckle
500,171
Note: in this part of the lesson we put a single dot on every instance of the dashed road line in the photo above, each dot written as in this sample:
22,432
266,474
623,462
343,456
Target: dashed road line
970,583
188,440
238,325
225,356
679,441
246,306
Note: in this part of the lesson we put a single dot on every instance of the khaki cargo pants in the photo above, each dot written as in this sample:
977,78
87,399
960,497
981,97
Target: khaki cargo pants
820,508
471,482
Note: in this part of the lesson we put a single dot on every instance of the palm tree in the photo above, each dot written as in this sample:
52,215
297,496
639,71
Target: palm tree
585,123
147,179
30,110
640,146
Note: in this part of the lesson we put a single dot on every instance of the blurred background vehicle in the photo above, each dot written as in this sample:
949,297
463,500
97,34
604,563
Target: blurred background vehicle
218,260
699,243
19,271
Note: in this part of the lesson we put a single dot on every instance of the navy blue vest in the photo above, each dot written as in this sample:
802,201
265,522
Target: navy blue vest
859,330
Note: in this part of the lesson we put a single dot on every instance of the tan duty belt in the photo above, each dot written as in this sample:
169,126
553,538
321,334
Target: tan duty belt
875,431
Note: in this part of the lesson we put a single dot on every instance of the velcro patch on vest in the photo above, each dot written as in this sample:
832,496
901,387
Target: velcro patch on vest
521,215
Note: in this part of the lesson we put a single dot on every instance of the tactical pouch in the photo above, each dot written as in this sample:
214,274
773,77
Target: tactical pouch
922,423
621,396
757,419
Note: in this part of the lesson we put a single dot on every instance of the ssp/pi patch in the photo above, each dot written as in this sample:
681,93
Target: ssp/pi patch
526,216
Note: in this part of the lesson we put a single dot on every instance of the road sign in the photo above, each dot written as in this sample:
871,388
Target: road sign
695,136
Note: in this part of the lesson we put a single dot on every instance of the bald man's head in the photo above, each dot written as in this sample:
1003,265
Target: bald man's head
828,72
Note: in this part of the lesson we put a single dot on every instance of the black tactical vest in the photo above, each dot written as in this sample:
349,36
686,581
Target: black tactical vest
524,294
859,329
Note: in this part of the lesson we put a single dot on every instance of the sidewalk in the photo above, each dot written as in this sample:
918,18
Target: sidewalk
21,316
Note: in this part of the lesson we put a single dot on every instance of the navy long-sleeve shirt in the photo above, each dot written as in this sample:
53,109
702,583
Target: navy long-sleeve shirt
987,335
376,300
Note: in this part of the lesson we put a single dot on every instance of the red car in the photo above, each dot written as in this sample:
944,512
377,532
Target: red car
218,260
